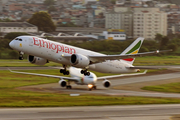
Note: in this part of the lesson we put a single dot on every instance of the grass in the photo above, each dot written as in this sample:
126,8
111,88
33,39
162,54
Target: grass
158,60
11,97
16,98
22,63
148,60
171,88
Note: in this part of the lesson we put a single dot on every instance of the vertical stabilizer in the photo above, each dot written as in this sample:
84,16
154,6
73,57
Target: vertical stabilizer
133,49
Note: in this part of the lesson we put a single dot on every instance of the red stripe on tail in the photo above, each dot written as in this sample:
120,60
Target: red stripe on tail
129,59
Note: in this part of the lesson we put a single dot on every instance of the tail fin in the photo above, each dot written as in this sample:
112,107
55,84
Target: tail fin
133,49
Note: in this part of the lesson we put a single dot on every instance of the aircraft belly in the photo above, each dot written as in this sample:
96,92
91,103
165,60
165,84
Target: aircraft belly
110,67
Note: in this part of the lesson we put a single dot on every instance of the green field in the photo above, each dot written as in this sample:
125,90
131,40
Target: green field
171,88
158,60
12,97
149,60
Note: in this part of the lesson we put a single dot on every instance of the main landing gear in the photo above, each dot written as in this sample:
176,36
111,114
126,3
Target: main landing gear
68,86
85,72
64,71
21,55
91,87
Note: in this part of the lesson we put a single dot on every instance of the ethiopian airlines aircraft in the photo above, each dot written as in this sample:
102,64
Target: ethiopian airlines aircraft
81,79
40,51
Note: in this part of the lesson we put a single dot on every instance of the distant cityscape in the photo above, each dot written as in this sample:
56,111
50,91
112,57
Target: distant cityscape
137,18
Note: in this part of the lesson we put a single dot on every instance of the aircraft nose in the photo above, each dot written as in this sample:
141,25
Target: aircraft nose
11,44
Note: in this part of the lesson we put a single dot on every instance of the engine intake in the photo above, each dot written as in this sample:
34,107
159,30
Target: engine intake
37,60
62,83
79,60
106,83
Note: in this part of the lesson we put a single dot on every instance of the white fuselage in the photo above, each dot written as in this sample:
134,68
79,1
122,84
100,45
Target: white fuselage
54,51
82,79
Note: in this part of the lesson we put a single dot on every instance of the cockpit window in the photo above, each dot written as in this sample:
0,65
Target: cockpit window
18,39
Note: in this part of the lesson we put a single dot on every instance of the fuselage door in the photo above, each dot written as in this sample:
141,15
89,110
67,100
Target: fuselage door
30,41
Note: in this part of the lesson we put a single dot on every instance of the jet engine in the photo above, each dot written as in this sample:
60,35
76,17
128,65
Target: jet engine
37,60
79,60
106,83
62,83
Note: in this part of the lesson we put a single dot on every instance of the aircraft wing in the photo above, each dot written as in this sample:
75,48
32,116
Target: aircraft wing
46,75
97,59
121,75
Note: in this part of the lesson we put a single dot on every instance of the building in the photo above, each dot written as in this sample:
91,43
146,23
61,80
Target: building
7,27
148,22
114,34
1,7
120,20
174,22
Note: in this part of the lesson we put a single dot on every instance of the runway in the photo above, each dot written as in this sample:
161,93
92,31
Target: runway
132,112
129,112
79,89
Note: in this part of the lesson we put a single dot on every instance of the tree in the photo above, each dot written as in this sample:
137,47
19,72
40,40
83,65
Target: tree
164,42
158,37
14,54
173,46
43,21
13,35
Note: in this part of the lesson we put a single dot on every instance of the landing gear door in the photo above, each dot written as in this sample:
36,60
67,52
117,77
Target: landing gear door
30,42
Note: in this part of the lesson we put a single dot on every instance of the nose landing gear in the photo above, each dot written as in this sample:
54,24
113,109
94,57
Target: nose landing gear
21,55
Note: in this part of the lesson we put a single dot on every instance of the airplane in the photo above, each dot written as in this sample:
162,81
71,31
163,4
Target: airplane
40,51
81,79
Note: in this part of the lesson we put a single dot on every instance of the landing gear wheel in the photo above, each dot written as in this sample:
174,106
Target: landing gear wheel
21,55
94,87
61,71
82,71
21,58
85,72
64,71
67,72
68,87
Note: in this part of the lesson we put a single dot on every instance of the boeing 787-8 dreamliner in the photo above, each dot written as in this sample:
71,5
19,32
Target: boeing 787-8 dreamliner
40,51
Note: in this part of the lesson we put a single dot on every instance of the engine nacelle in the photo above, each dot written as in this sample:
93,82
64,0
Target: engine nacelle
62,83
79,60
37,60
106,83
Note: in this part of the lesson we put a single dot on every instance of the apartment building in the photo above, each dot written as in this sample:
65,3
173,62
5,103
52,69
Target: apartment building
148,22
120,20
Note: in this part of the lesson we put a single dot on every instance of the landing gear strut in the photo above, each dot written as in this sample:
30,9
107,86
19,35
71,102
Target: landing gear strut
68,86
85,72
64,71
21,55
